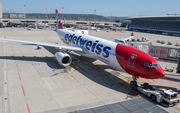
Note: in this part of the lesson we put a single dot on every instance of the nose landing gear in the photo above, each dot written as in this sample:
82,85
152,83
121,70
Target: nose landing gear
133,83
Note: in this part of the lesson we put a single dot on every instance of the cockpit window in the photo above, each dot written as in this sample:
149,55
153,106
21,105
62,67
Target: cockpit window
146,63
156,65
149,64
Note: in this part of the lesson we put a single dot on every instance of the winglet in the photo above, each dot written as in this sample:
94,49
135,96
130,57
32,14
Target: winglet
59,21
132,34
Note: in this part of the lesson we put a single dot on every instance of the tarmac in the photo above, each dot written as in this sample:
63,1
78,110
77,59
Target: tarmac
32,81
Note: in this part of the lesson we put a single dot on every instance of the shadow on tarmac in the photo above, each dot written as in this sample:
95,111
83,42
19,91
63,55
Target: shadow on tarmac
172,79
85,66
96,73
51,62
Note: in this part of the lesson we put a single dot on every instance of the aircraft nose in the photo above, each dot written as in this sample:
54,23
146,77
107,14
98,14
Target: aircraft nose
160,73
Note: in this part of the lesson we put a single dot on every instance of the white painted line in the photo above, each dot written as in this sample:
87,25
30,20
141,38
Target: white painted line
59,104
5,82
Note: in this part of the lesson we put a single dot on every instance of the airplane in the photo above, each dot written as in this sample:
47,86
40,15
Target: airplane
122,57
40,26
86,26
120,28
3,24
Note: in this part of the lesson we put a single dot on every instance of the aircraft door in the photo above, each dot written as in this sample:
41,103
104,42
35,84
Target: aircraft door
131,60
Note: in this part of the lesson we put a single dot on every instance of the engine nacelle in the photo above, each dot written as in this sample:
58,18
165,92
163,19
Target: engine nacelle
63,58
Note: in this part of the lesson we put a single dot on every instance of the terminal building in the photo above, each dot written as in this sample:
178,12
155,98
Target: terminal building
167,25
156,24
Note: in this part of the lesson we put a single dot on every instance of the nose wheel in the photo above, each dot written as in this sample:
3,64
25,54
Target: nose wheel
133,83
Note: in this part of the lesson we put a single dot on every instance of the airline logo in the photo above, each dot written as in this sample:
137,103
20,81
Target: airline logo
131,60
89,45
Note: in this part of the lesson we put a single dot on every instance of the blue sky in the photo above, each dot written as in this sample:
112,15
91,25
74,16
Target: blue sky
102,7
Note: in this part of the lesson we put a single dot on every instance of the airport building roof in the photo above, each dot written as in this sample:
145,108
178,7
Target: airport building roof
145,17
169,23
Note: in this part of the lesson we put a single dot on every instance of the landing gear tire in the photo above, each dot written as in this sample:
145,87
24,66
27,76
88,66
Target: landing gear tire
133,83
135,87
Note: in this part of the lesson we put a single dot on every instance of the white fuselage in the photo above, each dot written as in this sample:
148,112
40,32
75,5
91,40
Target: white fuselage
93,47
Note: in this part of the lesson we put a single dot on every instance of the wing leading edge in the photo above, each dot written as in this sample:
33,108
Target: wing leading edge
125,38
45,44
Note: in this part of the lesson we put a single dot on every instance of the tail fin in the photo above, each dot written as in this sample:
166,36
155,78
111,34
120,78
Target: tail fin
127,25
59,21
90,24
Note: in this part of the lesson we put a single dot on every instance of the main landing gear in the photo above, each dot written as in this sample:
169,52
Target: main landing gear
133,83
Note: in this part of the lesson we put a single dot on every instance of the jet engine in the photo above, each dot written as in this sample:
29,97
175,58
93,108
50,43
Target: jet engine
63,58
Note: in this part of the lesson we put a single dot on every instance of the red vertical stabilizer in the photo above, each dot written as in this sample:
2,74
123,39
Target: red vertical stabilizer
59,21
127,25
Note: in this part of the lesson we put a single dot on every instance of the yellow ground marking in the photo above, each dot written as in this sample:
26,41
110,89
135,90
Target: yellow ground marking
116,79
117,76
176,108
140,82
128,84
99,34
117,73
43,32
128,78
43,38
12,32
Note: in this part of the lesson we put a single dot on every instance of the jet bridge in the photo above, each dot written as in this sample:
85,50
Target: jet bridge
162,52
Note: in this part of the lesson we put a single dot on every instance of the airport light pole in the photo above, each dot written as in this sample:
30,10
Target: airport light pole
25,15
111,16
82,14
62,12
94,15
46,15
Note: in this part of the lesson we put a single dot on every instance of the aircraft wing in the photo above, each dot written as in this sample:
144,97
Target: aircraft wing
45,44
125,38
